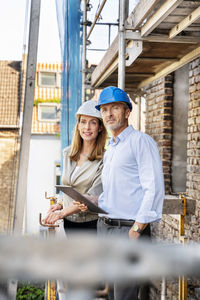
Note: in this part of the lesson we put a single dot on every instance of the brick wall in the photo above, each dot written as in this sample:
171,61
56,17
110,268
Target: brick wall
193,146
10,96
159,99
159,120
9,92
9,149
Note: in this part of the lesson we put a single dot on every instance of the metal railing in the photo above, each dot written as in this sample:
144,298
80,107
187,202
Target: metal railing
84,261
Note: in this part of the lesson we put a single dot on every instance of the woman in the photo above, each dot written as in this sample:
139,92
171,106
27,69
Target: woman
82,166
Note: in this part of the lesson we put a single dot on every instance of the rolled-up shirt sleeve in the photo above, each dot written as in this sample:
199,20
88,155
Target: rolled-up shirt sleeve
151,178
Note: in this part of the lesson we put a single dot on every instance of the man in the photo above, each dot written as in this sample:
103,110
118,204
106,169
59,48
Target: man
132,177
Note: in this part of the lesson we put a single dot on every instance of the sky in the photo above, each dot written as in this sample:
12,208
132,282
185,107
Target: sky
14,28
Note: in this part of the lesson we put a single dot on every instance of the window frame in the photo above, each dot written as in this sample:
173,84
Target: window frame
56,120
57,79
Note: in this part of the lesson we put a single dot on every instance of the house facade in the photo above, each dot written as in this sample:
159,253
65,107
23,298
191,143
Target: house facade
45,149
44,158
10,106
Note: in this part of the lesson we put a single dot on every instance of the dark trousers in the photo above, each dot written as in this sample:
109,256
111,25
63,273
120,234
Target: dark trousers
120,292
71,227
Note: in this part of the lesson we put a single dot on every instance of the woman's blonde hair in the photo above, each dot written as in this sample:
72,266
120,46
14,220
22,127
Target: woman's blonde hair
77,143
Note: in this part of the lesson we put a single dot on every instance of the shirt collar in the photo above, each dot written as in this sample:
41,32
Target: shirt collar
122,136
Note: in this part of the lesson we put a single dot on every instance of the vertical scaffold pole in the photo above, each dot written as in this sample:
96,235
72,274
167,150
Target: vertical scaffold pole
27,116
123,14
183,240
84,49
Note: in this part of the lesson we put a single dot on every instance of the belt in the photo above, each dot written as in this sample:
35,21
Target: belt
117,222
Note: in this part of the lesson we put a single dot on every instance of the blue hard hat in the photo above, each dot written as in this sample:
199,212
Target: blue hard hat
113,94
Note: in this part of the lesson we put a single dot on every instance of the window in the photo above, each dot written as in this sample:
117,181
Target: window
48,112
49,79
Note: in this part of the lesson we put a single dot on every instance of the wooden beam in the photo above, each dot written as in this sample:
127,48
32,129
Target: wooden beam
182,11
175,206
104,68
106,73
108,58
174,66
156,59
135,78
160,38
192,17
159,16
143,74
166,26
140,12
178,39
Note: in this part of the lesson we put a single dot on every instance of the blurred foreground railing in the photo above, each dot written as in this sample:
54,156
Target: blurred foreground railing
84,261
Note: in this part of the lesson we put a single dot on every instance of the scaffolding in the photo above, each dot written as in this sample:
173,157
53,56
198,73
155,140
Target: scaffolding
126,51
69,20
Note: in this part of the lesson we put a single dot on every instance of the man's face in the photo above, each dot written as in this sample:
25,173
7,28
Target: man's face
115,115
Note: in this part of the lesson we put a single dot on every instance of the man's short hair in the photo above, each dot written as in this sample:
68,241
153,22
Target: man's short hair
125,105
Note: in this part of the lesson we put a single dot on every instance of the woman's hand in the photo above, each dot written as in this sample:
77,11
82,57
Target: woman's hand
92,198
55,207
53,217
82,207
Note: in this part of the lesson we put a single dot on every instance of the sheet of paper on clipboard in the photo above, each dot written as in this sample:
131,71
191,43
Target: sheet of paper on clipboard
79,197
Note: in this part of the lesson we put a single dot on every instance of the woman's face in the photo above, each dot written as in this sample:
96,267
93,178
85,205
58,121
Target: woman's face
88,128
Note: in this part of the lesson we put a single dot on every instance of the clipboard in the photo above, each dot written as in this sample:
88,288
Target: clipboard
68,190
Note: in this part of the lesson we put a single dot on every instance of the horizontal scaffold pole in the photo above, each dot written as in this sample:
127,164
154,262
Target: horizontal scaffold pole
85,260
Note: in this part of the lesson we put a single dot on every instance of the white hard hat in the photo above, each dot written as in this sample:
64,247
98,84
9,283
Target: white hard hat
88,109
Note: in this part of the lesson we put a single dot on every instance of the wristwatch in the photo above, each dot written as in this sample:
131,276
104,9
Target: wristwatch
136,228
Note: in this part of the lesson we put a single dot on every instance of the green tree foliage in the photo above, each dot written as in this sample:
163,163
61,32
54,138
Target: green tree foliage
39,100
28,292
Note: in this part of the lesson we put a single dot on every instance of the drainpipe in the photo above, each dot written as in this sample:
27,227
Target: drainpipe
84,49
123,14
